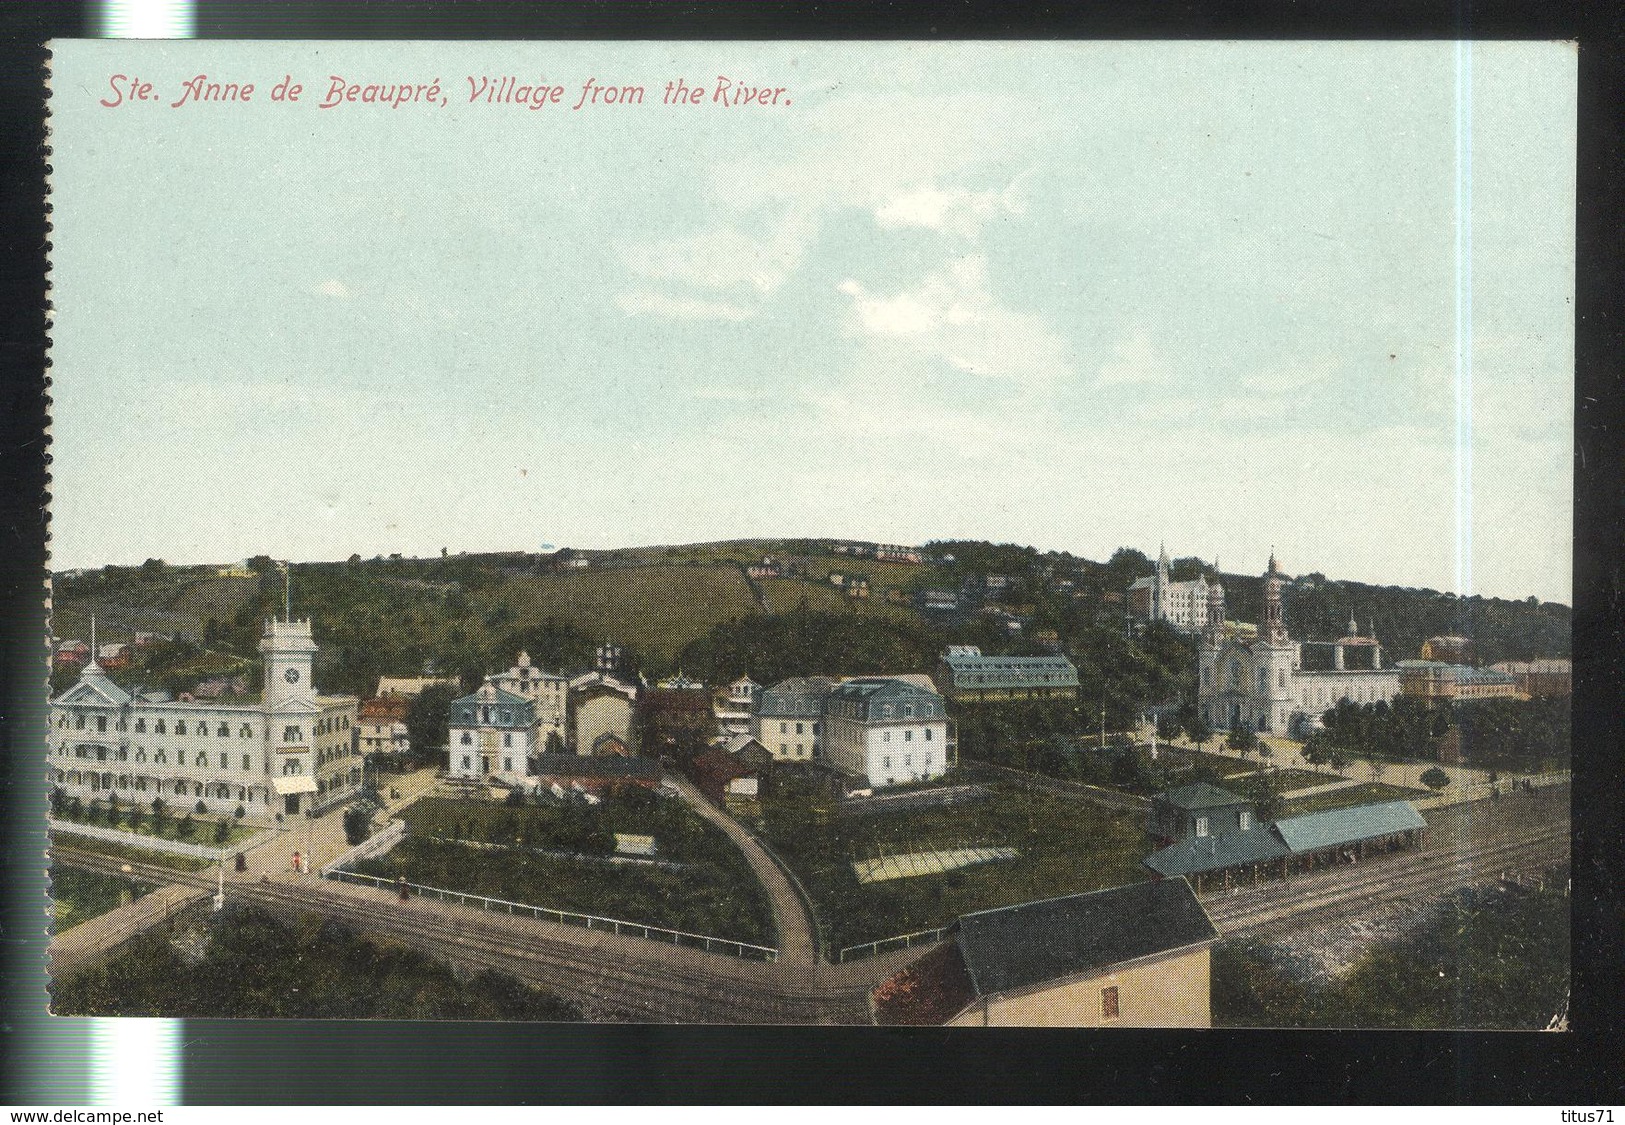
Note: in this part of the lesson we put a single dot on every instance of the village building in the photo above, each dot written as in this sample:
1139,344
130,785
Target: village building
1184,605
732,706
1434,682
1133,956
561,774
1214,837
491,732
789,716
381,727
548,693
1449,650
886,731
1261,682
289,752
410,687
1540,677
599,704
964,675
732,776
672,721
71,654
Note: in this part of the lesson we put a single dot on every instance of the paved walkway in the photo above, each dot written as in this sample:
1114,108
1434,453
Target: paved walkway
83,943
790,921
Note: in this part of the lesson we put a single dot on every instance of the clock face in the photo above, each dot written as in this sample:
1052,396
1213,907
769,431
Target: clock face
291,675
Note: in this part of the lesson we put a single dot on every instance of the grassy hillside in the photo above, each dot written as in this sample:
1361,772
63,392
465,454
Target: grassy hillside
654,609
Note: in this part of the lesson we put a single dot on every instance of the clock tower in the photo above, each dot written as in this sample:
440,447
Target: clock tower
288,652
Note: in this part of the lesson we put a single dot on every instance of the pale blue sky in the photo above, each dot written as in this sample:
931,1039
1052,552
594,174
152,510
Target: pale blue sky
1073,295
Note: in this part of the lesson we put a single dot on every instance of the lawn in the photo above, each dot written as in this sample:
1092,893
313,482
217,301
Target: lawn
78,896
253,965
134,854
1366,793
711,892
1223,765
1291,779
655,609
1066,847
203,828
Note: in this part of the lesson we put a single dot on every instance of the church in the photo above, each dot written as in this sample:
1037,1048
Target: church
288,753
1184,605
1261,682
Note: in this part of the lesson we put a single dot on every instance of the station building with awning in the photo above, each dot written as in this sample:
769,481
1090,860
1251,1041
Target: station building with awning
1290,846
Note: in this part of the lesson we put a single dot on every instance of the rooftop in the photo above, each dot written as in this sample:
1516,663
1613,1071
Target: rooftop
1333,827
1200,795
1016,947
588,766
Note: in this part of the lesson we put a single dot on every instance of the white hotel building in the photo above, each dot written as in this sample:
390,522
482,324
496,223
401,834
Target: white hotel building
288,753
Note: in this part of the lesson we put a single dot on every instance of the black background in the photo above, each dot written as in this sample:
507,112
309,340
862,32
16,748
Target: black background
425,1063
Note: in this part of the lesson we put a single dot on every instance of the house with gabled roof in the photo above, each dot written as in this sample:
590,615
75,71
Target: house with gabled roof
1132,956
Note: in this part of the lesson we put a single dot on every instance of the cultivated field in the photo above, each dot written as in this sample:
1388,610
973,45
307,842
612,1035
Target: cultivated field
1065,847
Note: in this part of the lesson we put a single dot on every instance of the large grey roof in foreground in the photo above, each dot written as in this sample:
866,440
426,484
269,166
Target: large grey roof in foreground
1016,947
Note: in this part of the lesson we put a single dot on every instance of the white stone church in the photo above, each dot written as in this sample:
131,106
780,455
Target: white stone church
1262,683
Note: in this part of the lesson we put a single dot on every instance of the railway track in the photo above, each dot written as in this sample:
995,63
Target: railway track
622,978
608,980
1279,907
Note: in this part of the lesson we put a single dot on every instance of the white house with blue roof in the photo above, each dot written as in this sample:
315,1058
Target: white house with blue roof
492,733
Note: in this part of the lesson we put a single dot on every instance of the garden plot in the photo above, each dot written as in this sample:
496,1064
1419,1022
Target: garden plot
910,864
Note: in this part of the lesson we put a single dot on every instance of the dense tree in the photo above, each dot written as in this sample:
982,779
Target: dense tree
357,825
428,720
1435,778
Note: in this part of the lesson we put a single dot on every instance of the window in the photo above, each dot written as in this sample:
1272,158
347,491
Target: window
180,726
908,736
885,763
123,754
140,754
224,764
101,723
159,757
159,727
799,728
885,736
908,710
1201,826
290,734
928,734
202,758
507,741
465,761
245,731
466,741
1108,1002
784,728
246,765
908,760
141,726
507,765
223,731
1244,820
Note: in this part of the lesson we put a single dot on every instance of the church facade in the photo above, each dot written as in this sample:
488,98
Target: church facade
290,752
1261,682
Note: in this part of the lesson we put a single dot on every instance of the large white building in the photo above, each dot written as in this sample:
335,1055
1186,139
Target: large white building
491,732
1261,682
889,731
547,692
1184,605
287,753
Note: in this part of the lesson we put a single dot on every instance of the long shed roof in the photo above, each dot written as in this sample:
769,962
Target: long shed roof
1333,827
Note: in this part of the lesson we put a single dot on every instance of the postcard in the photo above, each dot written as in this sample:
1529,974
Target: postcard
986,534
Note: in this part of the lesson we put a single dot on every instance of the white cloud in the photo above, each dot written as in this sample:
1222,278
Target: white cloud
954,210
955,317
1135,361
723,257
646,302
334,288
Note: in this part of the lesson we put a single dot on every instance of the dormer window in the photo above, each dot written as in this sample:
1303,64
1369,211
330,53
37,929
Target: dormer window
1244,820
1201,826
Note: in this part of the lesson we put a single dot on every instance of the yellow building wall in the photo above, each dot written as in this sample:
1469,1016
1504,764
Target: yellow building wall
1168,992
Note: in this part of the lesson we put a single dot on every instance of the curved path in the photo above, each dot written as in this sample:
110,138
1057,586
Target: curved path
797,945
